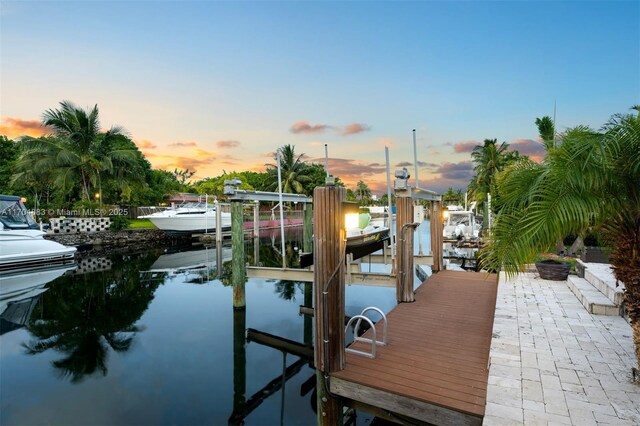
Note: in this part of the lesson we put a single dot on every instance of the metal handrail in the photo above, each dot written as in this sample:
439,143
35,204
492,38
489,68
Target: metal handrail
371,354
384,328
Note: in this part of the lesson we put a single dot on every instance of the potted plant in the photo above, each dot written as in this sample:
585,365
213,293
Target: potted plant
550,269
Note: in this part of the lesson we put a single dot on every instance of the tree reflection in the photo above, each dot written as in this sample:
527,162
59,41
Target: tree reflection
287,289
86,315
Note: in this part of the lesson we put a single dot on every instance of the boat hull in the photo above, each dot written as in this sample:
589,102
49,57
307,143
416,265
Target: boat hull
194,223
26,248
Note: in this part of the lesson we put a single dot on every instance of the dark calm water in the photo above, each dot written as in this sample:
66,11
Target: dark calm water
148,338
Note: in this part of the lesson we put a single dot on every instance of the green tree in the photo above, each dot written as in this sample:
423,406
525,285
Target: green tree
489,159
183,176
362,193
547,131
79,155
587,180
9,151
453,196
215,186
295,173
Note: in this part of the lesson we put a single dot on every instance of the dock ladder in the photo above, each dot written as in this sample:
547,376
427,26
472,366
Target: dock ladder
374,342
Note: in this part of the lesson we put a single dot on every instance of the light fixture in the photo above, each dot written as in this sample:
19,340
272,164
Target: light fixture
351,220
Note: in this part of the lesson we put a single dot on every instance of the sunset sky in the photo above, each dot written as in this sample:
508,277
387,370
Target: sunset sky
214,86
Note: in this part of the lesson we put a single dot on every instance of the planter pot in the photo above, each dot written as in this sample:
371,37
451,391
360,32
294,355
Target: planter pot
553,270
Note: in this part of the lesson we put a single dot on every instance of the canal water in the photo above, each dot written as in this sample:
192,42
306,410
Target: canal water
150,337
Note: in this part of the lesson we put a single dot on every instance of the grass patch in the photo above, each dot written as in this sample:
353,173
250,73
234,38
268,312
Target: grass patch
141,224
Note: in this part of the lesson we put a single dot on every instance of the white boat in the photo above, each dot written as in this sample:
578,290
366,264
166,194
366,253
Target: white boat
460,224
21,242
188,218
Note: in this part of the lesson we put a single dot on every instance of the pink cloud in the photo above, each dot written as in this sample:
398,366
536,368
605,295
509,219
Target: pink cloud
227,144
466,146
184,144
306,128
354,128
145,144
14,127
534,149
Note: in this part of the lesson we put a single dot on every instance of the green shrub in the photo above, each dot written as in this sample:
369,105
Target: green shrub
118,223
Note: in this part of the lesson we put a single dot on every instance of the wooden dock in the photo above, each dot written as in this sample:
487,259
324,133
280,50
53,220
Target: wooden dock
435,366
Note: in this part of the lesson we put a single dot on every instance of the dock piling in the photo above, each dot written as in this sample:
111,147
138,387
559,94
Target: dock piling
238,257
404,251
329,295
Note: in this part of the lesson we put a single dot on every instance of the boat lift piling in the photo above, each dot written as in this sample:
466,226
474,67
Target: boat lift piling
405,196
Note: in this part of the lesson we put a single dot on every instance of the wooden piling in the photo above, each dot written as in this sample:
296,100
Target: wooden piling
238,258
328,252
404,251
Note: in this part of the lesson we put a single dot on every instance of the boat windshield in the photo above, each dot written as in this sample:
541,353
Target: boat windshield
14,215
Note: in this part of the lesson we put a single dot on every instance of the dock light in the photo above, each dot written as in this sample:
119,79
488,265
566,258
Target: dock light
445,214
97,195
351,220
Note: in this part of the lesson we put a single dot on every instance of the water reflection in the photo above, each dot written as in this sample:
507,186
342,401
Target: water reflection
21,290
86,316
135,342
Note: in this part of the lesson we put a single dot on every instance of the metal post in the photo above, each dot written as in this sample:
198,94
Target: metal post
389,208
256,220
415,158
284,260
326,159
307,229
218,208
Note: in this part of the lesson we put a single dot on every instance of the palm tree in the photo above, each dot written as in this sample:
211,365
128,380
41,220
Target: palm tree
489,160
78,153
294,172
362,192
588,180
547,131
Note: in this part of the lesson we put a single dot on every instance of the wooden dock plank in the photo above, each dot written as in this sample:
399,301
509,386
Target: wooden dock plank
437,354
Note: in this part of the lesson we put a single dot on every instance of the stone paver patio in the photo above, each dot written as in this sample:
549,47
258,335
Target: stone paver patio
554,363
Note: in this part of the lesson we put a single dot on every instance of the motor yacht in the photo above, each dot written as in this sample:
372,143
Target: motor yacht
189,218
22,243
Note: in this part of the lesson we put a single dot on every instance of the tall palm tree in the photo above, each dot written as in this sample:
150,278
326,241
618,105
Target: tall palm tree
295,172
489,160
78,153
589,179
547,131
